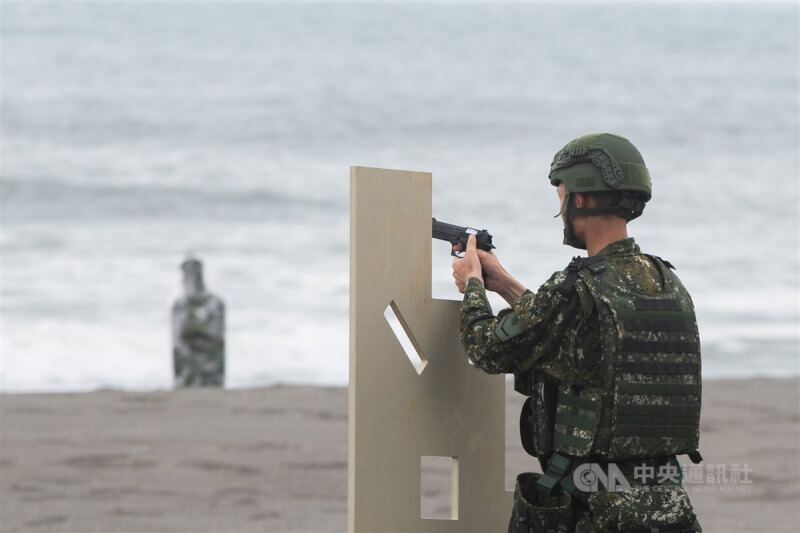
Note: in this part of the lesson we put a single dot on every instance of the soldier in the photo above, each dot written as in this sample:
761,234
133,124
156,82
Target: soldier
198,332
607,352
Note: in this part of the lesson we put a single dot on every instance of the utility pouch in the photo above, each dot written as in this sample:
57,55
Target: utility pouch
536,426
577,422
535,512
663,508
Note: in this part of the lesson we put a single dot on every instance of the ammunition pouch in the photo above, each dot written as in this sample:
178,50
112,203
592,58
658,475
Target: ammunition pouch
536,428
643,509
536,512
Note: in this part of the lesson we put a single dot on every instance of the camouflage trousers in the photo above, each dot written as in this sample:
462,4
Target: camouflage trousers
638,509
198,369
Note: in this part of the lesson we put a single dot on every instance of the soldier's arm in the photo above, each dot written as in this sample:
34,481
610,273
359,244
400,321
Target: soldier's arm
217,313
178,321
517,337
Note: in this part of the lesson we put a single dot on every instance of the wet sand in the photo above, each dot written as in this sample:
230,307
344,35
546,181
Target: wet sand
275,460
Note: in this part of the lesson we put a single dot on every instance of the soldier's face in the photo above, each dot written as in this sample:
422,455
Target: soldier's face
192,278
561,195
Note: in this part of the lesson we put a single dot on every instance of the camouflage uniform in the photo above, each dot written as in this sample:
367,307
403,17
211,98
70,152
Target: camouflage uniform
198,332
552,341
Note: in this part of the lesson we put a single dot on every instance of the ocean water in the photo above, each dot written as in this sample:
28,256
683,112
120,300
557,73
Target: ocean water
135,132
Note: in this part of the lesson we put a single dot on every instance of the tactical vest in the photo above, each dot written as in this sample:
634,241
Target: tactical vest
649,401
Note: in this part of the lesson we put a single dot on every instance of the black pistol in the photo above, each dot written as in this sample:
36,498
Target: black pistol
458,235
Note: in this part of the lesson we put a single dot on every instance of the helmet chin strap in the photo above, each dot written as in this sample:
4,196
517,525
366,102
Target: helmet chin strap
570,239
563,210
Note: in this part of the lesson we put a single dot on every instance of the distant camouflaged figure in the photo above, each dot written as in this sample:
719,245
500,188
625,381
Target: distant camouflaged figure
198,332
608,353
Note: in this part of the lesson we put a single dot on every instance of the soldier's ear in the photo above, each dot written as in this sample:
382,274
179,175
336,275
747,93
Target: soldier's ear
579,200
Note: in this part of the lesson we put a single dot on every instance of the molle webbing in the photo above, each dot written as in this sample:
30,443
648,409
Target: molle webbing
657,399
656,420
659,368
657,431
661,389
576,421
648,304
650,324
632,346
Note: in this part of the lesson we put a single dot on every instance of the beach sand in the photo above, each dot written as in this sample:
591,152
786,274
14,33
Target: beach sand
275,459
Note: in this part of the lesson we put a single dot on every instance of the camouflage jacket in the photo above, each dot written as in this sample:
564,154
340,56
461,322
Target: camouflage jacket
553,333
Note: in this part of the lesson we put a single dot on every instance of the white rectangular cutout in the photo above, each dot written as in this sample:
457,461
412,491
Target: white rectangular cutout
438,487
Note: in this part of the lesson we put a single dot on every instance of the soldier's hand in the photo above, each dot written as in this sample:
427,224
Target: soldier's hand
497,279
468,266
494,275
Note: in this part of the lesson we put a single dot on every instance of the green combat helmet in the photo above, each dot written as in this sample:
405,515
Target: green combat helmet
601,162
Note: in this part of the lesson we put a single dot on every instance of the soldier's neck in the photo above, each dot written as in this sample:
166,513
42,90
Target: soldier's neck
601,235
193,287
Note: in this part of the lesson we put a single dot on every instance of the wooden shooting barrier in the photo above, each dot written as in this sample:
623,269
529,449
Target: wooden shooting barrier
404,412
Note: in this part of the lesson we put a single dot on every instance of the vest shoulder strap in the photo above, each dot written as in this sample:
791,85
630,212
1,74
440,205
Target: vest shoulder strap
573,269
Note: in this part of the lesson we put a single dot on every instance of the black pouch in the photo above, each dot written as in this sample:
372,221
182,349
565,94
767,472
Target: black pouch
535,512
536,421
642,508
